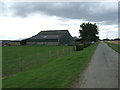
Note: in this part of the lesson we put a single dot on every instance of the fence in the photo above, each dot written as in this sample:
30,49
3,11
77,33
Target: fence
23,63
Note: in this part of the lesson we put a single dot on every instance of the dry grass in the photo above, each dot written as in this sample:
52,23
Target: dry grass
115,42
114,46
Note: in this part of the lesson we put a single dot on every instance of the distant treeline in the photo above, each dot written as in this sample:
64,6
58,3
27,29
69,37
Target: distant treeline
116,39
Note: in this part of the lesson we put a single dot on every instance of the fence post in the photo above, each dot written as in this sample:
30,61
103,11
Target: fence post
49,54
66,50
74,48
69,50
57,53
20,63
63,51
37,59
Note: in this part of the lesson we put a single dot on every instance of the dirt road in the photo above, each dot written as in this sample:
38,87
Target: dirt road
102,71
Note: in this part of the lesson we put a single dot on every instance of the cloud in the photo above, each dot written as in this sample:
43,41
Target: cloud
110,31
25,19
16,28
106,12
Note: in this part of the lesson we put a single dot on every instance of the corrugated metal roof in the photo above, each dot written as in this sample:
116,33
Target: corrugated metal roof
53,32
46,37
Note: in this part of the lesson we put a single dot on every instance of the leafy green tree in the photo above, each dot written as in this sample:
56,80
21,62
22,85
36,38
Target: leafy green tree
89,32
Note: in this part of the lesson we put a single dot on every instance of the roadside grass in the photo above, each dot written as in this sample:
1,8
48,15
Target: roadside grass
56,73
19,58
115,47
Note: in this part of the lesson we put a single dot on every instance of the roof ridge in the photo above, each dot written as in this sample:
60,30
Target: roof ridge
53,30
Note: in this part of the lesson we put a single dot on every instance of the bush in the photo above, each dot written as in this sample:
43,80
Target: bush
82,46
85,45
79,47
88,44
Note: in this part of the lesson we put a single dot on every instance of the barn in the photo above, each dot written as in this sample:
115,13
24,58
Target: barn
51,37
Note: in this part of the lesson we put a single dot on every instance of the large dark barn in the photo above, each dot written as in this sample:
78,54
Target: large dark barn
51,37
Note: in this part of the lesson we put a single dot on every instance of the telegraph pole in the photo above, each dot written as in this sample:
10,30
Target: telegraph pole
106,35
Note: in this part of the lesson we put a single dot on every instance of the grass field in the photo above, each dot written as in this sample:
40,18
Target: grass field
18,58
57,73
114,46
115,42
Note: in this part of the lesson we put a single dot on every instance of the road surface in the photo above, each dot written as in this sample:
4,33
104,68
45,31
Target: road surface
102,71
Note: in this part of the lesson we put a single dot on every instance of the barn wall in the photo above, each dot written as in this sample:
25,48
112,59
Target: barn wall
23,42
42,43
33,43
42,40
66,40
14,44
51,43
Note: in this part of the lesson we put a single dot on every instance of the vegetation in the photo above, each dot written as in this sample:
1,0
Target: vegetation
114,46
79,47
56,73
82,46
20,58
89,32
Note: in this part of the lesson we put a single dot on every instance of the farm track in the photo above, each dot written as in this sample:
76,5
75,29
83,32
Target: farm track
102,71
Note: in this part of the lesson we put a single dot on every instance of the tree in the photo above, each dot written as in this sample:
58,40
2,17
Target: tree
89,32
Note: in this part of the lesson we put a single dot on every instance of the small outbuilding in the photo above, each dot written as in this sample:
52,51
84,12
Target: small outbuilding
10,43
6,42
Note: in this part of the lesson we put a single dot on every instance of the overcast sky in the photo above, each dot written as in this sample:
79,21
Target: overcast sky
20,20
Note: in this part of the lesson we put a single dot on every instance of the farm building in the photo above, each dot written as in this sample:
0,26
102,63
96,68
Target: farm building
23,42
15,43
51,37
10,43
6,42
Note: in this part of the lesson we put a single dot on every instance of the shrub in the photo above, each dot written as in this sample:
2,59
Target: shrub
79,47
85,45
88,44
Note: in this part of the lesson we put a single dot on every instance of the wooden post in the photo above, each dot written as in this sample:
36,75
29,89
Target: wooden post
69,50
49,54
63,51
75,48
37,59
57,53
20,63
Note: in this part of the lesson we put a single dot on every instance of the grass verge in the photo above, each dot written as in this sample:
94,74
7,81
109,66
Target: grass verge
115,47
57,73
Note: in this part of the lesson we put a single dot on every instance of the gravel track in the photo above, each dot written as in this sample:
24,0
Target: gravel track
102,71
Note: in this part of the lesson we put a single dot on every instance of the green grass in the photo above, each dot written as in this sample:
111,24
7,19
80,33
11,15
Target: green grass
115,47
58,73
18,58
